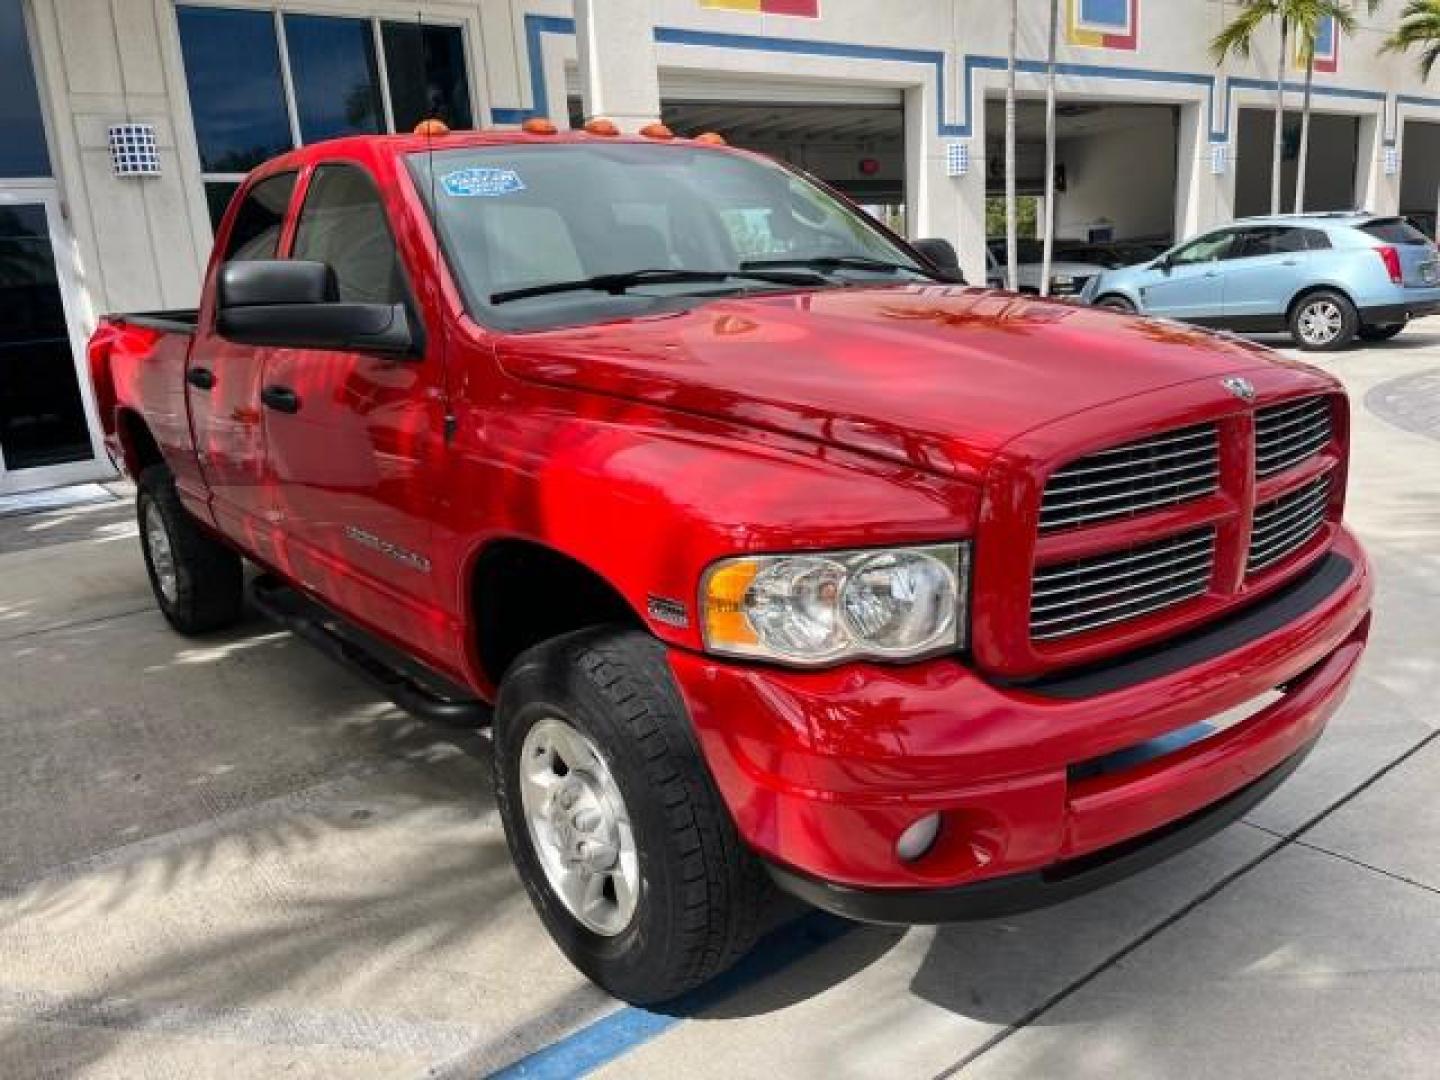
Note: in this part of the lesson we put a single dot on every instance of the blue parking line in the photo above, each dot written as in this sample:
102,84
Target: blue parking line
617,1034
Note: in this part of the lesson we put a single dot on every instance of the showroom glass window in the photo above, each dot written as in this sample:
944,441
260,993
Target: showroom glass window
263,82
22,138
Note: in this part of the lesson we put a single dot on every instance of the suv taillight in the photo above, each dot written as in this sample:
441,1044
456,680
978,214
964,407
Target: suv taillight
1391,258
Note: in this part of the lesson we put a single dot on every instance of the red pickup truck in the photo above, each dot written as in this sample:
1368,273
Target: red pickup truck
773,553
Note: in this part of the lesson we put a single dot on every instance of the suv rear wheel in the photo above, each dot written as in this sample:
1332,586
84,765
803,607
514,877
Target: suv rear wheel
619,834
1324,321
199,583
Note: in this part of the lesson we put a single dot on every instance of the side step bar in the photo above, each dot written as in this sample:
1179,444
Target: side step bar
409,684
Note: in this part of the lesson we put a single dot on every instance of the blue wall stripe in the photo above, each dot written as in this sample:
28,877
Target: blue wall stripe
629,1027
538,25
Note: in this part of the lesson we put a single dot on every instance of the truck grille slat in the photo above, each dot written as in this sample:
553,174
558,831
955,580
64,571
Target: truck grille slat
1287,434
1160,574
1196,559
1086,607
1285,525
1146,474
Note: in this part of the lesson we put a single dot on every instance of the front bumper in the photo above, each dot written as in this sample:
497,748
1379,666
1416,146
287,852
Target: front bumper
823,771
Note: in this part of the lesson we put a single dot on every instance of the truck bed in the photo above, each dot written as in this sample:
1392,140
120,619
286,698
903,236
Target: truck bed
174,321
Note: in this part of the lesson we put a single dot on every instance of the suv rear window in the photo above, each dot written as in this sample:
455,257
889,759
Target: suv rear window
1394,230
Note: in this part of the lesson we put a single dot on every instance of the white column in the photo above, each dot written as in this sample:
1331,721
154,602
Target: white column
1373,189
616,45
1194,182
937,205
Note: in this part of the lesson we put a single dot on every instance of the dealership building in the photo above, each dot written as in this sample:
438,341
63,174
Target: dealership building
125,126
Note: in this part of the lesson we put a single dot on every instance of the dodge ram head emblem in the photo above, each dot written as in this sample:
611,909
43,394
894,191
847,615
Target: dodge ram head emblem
1241,388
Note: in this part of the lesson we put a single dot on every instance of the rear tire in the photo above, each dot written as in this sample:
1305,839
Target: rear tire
1116,303
1380,333
1324,321
593,747
199,583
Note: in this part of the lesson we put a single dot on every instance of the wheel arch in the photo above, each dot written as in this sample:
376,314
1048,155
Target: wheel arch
520,592
1311,290
138,447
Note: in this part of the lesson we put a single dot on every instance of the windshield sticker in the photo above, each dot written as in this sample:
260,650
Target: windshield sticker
487,183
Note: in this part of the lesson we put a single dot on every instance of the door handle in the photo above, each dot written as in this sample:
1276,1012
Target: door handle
1291,262
201,378
281,399
1212,273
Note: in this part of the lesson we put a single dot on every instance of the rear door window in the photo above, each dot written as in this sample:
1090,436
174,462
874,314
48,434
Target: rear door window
261,219
1394,231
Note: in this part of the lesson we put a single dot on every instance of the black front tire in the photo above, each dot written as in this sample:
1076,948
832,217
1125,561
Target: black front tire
204,588
702,893
1380,333
1116,303
1330,309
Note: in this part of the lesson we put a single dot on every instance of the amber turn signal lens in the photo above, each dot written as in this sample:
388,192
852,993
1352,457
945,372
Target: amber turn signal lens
432,128
601,126
538,125
724,603
710,138
657,131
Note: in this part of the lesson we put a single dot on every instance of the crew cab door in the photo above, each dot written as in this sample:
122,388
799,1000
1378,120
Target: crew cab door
1188,284
222,383
1266,268
354,438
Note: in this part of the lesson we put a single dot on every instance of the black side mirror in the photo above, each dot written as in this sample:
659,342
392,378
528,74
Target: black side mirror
940,254
291,303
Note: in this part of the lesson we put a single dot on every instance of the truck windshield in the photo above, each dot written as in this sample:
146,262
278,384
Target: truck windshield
542,236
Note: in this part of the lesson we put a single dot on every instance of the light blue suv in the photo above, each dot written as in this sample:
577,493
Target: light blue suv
1326,278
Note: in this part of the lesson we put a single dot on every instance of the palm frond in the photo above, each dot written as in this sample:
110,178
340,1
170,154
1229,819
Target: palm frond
1237,36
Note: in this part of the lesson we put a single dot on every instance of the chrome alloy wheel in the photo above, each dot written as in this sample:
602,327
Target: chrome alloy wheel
579,826
1320,322
162,555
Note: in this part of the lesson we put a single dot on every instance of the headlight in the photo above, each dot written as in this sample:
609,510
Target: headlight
1064,280
894,603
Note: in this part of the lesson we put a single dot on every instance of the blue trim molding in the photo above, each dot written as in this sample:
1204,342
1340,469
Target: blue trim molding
536,26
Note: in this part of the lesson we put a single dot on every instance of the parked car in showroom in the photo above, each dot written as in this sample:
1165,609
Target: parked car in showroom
1068,276
1325,278
1111,254
790,565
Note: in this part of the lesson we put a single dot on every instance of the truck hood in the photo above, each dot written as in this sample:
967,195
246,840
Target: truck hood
939,377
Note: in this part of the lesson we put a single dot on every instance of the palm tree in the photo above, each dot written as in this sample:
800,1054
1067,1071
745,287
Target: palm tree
1419,29
1304,18
1012,243
1050,150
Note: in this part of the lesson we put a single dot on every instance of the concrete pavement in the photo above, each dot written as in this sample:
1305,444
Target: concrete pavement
228,858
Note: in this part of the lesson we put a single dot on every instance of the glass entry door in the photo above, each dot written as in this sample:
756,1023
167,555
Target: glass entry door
47,428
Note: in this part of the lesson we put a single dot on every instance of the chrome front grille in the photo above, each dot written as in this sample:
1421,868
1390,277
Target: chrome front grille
1287,434
1287,524
1135,477
1074,597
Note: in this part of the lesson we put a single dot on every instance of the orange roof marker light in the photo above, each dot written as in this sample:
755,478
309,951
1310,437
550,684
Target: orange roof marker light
710,138
432,128
657,130
601,126
538,125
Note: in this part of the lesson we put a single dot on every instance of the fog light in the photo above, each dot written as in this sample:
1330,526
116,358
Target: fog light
918,838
